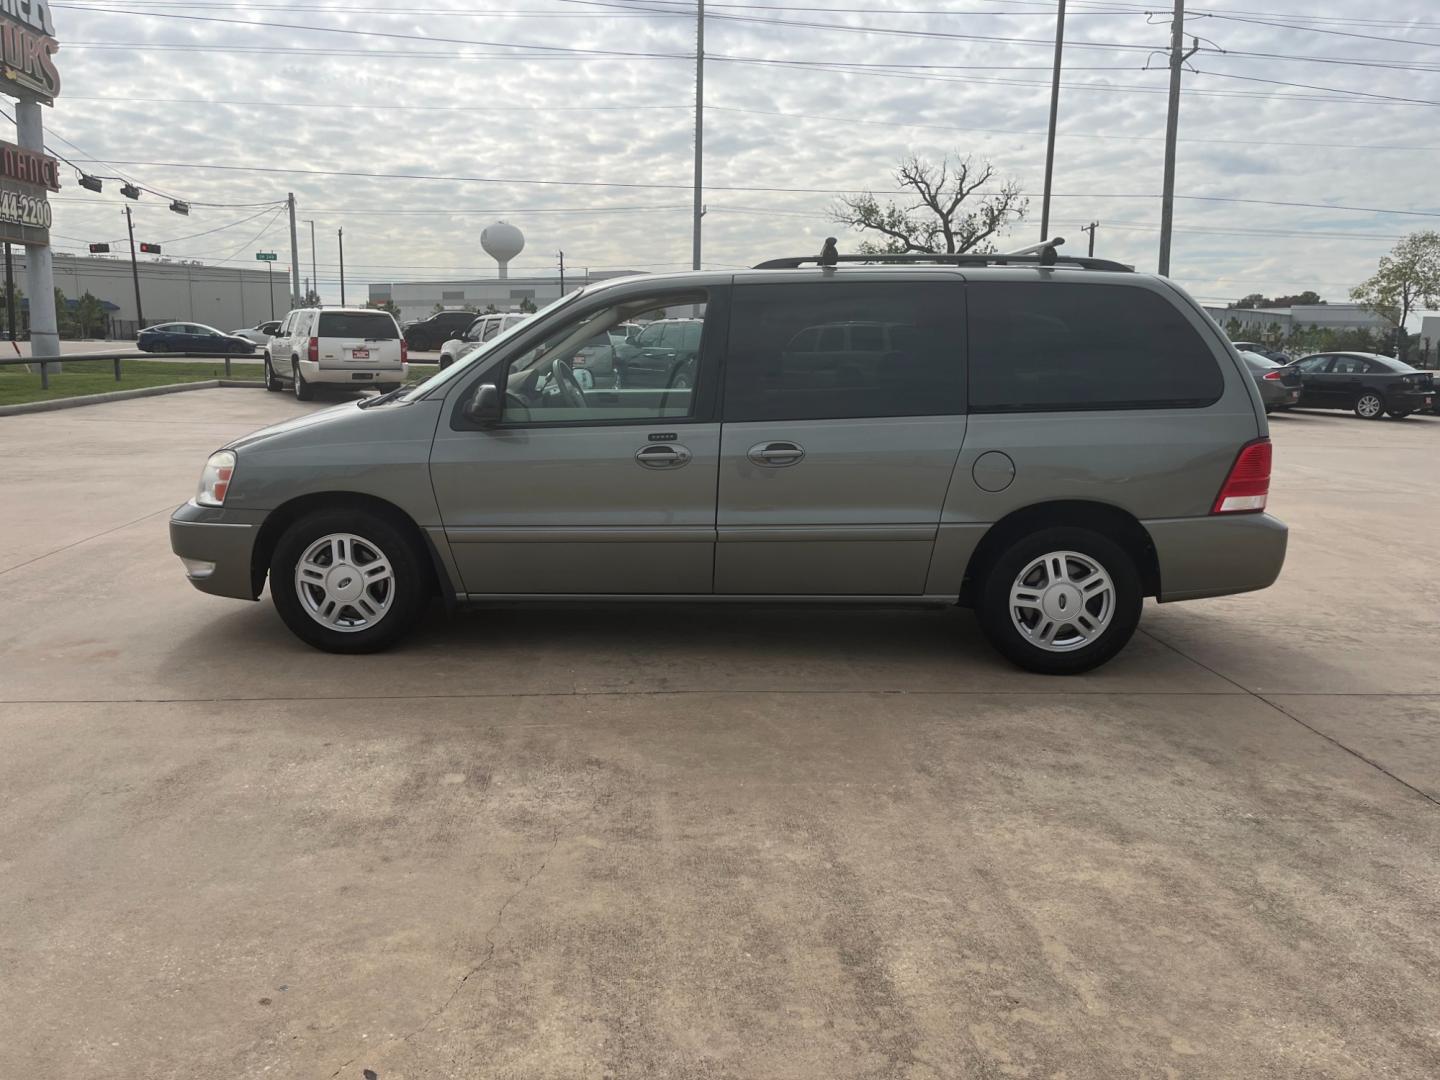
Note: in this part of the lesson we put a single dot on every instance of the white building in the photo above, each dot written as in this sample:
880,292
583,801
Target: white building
1300,317
418,299
225,297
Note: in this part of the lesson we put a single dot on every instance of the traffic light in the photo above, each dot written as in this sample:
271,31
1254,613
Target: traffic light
150,249
99,249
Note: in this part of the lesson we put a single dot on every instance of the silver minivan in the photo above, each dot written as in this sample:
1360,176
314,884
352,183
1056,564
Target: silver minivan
1047,441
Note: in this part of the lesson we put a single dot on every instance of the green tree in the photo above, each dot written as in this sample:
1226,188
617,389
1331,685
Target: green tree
943,214
1233,328
64,317
388,305
311,299
89,316
527,305
490,309
19,295
1406,280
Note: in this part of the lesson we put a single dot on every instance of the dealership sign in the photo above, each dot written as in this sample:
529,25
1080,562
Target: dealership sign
27,50
24,178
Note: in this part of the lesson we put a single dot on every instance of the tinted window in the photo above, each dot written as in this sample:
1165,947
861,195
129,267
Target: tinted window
1051,346
1312,364
921,375
375,326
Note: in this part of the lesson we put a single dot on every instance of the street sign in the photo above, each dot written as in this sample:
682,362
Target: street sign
265,256
150,249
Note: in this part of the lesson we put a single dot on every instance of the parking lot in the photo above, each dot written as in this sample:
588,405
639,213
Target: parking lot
710,842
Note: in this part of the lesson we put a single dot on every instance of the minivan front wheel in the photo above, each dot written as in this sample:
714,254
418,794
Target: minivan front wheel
1061,601
1369,406
347,581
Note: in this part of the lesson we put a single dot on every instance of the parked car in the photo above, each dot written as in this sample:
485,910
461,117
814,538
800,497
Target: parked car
1255,347
1370,384
191,337
1084,438
431,333
482,329
352,347
1279,383
260,333
663,354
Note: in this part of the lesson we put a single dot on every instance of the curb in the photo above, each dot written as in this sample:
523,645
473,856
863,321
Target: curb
121,395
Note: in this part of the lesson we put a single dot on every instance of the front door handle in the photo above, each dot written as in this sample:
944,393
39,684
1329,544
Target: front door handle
663,456
775,455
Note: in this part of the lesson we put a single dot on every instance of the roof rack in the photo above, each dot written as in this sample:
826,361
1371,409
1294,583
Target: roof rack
1035,255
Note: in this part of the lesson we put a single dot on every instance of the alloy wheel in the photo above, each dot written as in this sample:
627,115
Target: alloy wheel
1062,601
345,582
1369,406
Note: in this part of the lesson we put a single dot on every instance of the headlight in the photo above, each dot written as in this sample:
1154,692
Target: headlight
215,480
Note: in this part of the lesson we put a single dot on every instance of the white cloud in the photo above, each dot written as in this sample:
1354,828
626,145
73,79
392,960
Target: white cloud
573,118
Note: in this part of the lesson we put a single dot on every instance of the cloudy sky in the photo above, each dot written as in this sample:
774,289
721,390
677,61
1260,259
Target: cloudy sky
573,119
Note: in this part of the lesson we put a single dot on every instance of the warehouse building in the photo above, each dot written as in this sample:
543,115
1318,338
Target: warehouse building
418,299
225,297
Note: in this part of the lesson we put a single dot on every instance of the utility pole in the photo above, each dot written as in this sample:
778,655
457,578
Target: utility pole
341,234
1054,116
314,271
294,256
135,272
1091,230
699,211
270,286
562,273
1172,125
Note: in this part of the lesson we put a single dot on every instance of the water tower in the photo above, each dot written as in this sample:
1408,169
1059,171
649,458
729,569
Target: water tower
502,242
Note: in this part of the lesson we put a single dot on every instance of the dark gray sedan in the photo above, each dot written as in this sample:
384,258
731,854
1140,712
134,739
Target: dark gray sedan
1279,385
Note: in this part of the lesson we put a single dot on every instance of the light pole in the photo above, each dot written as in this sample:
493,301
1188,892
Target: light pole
341,234
314,273
135,272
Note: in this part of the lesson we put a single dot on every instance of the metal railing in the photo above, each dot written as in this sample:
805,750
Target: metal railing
44,362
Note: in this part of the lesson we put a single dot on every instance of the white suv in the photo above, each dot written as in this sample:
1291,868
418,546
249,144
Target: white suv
355,347
483,329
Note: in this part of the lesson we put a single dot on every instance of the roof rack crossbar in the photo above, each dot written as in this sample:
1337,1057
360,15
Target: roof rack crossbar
1035,255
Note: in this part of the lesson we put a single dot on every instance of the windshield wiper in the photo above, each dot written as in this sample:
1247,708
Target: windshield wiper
389,395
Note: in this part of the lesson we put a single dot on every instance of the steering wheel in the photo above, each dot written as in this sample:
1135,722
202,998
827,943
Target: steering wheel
571,392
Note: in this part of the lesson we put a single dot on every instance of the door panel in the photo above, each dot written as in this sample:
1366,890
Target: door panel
571,510
856,515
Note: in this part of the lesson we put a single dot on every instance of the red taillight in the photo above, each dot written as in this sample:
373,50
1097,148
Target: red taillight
1272,376
404,351
1248,485
313,353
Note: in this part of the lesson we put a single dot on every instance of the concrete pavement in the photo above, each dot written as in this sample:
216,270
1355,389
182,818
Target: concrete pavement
710,842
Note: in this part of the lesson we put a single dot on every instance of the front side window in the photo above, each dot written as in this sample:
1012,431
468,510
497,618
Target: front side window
565,380
794,353
1052,346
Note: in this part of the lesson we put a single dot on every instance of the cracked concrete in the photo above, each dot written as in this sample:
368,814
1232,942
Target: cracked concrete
704,844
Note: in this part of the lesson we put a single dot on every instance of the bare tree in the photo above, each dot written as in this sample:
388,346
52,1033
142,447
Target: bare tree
937,218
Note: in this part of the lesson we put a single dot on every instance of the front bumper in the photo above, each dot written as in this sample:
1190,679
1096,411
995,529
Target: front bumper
354,374
1217,555
216,545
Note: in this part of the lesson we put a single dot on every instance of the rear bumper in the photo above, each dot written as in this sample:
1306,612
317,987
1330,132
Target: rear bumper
1409,400
216,545
353,374
1217,555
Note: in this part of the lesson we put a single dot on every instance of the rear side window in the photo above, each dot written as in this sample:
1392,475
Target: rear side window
1049,347
358,324
777,369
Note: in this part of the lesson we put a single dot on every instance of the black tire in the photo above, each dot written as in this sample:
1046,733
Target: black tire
303,390
411,580
1399,414
272,381
1369,405
994,613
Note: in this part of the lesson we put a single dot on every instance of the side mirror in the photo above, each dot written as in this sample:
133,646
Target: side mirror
483,407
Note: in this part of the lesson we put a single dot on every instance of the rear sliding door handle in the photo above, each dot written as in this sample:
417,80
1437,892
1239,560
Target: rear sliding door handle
662,456
775,455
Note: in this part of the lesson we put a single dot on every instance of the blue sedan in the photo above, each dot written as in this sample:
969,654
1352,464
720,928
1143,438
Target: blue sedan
191,338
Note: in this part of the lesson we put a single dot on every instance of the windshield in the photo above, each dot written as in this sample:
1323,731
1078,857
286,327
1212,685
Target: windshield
358,324
440,378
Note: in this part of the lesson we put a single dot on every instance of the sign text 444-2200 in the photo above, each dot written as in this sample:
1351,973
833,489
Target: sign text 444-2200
25,209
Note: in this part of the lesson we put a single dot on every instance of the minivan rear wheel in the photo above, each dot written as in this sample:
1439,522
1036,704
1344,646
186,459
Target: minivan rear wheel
1061,601
347,581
